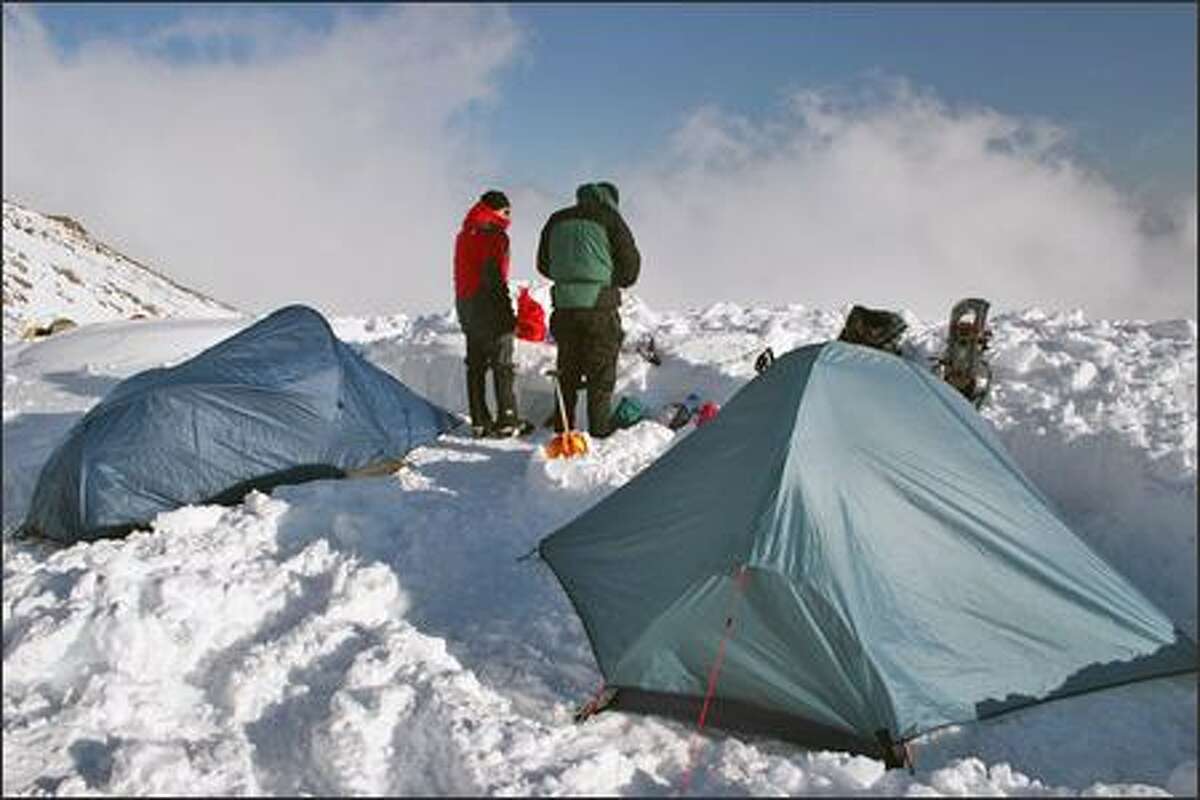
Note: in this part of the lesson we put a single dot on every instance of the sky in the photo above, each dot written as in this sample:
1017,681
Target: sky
896,155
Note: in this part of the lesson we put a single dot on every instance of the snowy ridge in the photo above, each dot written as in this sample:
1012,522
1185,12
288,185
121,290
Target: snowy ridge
53,268
377,636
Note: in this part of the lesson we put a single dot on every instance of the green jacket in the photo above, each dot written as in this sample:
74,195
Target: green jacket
588,251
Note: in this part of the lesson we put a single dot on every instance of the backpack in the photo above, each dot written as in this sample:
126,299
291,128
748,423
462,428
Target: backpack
874,327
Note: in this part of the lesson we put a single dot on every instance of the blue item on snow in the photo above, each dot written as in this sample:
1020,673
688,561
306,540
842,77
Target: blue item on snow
852,537
281,401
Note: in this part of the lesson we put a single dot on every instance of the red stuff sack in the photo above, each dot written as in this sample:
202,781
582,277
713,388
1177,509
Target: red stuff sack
531,318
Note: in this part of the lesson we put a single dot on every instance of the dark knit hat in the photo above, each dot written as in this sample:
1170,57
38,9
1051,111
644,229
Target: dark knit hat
495,200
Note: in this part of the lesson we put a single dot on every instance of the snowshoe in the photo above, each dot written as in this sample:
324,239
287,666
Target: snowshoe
963,364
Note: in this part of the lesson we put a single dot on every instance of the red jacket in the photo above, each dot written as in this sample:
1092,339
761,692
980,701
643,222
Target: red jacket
481,273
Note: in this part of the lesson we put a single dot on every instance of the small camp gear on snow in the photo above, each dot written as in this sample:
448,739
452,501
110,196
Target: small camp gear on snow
764,361
41,331
628,412
706,412
673,415
602,700
963,364
569,443
531,317
647,349
875,512
896,755
281,401
874,327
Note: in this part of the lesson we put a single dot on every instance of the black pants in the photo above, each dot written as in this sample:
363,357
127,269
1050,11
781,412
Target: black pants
589,341
494,353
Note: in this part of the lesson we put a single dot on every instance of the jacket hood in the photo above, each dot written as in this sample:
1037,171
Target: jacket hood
482,215
597,193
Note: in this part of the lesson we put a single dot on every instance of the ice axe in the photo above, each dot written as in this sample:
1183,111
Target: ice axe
569,443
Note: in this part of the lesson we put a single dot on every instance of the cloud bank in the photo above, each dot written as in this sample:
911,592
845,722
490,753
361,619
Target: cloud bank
879,193
275,163
272,163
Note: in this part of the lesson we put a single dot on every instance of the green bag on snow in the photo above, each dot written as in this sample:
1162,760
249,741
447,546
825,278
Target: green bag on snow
627,413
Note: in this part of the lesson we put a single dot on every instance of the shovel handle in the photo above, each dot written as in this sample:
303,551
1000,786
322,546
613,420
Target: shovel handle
562,406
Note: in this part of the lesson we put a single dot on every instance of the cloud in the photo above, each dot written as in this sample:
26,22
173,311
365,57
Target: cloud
879,193
264,161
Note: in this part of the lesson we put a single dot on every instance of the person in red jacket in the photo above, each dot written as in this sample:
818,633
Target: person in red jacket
485,313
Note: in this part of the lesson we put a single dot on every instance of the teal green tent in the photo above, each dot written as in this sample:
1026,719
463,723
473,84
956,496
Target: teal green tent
853,540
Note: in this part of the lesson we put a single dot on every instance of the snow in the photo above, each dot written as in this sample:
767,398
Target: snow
53,268
379,636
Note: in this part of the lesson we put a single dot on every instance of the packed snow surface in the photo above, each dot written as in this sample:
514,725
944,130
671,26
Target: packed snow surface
378,635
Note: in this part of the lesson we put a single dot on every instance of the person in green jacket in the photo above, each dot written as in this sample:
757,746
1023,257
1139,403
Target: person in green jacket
588,252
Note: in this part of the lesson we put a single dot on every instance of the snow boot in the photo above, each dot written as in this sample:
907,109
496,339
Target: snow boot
510,426
481,419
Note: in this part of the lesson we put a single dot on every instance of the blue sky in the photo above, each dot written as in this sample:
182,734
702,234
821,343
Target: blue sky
1124,76
605,83
887,154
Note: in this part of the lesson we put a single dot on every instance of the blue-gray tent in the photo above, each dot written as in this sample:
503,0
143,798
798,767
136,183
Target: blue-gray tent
282,401
851,558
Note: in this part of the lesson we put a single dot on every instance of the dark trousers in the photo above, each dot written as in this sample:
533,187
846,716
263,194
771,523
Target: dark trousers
589,341
494,353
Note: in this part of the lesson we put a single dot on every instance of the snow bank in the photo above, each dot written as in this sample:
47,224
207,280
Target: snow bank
379,635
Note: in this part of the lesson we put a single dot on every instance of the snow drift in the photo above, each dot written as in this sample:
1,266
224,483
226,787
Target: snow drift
378,636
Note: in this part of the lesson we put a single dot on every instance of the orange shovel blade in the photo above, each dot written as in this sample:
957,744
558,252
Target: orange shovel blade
567,445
